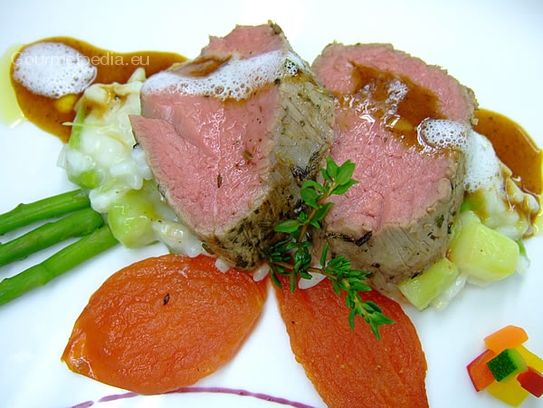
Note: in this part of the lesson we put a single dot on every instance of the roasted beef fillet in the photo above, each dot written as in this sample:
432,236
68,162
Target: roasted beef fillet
396,221
231,135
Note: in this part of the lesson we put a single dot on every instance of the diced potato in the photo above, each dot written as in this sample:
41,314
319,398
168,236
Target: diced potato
422,289
481,252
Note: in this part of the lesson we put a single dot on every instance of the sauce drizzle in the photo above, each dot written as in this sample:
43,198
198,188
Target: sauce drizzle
209,390
398,102
51,114
514,147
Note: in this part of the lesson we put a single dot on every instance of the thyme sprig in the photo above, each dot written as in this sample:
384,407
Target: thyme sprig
291,257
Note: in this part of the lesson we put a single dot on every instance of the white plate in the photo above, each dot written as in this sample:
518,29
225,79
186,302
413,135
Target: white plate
492,47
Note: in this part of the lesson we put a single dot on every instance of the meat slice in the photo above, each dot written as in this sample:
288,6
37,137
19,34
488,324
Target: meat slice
395,222
231,135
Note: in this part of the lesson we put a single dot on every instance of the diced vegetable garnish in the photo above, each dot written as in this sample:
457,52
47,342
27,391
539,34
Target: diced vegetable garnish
509,374
508,337
531,359
483,253
532,381
507,364
422,289
509,391
479,373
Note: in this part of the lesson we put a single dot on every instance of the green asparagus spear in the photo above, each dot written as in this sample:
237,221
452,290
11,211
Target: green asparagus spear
64,260
76,224
51,207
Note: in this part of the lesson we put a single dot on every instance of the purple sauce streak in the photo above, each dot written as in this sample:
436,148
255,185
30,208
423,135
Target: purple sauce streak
214,390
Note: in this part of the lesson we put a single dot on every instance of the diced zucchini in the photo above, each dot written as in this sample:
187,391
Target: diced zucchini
87,180
507,364
481,252
131,219
422,289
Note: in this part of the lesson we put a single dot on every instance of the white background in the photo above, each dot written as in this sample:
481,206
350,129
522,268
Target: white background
494,47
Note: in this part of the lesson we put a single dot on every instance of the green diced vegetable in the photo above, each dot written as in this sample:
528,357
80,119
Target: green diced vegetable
131,218
88,179
507,364
482,252
422,289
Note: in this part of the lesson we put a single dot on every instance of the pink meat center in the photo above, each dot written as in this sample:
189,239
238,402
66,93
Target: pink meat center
214,154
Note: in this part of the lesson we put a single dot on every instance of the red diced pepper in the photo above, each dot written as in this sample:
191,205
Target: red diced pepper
479,373
531,381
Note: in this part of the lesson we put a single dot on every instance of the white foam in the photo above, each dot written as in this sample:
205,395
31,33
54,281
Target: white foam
237,79
53,69
483,168
444,134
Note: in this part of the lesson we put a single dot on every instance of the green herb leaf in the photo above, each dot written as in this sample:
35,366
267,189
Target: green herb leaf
342,189
321,212
292,257
331,169
288,226
312,184
310,197
344,173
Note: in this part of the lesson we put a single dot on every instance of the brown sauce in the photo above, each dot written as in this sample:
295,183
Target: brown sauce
372,97
514,147
377,96
50,114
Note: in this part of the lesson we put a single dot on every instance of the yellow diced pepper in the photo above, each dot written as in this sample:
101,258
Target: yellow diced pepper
532,360
508,391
